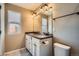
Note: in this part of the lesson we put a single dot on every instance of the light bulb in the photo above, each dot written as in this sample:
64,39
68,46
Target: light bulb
46,7
41,10
33,15
50,9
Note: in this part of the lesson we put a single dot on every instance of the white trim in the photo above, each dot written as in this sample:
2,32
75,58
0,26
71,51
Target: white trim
2,29
13,51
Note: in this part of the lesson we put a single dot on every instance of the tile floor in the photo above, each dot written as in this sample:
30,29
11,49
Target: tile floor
22,52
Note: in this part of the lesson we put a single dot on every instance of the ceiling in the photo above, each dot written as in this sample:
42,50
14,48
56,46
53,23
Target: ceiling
59,9
30,6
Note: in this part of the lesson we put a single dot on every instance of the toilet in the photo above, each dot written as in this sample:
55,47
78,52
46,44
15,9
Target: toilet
61,50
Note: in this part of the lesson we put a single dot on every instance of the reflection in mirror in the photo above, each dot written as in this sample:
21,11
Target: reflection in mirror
44,24
50,25
47,26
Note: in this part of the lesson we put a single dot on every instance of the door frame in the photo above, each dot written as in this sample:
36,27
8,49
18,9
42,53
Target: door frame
2,40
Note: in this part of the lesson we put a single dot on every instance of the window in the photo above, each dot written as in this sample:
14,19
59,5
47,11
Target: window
14,22
44,24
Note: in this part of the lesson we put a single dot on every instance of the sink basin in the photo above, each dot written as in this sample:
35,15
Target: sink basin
38,35
41,36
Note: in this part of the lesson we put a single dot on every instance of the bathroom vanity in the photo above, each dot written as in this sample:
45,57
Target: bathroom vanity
39,44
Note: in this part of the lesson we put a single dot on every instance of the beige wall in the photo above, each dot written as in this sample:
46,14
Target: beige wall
13,42
66,29
37,23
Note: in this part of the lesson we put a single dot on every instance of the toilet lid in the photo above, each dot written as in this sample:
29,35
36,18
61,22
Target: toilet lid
62,46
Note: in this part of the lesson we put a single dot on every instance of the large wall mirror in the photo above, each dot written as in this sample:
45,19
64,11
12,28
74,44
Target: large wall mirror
44,24
47,26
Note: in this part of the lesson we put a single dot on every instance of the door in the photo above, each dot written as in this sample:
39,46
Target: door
32,46
35,47
28,42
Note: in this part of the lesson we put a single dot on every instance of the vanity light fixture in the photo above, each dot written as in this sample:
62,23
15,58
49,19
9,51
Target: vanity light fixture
34,14
43,9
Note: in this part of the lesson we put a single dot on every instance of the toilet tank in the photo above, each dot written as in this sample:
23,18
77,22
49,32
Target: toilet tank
61,50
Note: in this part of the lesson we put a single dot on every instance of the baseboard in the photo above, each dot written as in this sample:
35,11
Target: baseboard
13,51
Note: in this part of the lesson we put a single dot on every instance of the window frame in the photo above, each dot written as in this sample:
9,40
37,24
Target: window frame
15,23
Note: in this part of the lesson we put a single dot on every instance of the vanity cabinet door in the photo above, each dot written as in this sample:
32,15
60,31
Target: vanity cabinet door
35,46
28,38
30,44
